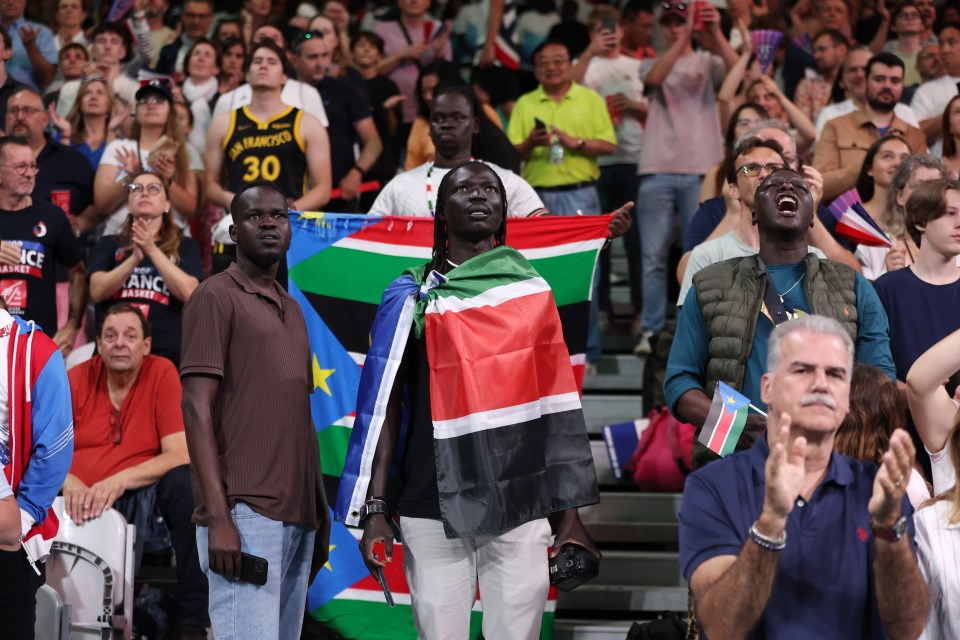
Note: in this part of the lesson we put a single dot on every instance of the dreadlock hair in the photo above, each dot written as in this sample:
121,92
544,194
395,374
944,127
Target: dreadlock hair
440,244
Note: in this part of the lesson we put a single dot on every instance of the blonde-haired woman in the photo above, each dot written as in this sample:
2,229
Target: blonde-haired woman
157,144
149,263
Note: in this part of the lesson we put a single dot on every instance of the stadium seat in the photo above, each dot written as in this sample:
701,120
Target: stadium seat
53,616
91,567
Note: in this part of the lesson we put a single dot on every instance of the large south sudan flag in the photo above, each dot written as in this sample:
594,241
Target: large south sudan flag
339,267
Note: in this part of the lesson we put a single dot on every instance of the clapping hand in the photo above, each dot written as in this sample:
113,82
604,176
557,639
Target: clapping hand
890,483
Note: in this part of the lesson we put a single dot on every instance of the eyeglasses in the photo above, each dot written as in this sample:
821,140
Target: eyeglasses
152,189
753,169
908,15
26,111
21,168
151,100
679,5
116,427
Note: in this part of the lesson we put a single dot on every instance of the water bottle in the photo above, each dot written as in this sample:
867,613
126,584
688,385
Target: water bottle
556,150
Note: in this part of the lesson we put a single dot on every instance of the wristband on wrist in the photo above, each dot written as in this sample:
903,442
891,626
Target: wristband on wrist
766,542
358,168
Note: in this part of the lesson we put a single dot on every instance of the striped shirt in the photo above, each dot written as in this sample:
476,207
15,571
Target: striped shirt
266,442
938,551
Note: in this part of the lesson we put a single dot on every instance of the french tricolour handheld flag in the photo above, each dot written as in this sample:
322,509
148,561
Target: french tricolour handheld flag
855,224
725,422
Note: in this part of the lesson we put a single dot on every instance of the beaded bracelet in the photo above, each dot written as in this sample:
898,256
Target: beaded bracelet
766,542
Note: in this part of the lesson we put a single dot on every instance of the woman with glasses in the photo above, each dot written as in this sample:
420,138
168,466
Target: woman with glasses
149,263
156,144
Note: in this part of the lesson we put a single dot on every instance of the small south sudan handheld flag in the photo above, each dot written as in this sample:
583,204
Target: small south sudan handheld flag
725,422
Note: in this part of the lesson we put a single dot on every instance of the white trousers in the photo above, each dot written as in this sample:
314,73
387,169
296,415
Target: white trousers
442,574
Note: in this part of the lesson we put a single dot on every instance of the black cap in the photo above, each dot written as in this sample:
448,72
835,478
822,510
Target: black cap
156,85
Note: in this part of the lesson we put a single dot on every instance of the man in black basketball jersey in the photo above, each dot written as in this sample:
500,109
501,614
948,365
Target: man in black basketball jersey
266,140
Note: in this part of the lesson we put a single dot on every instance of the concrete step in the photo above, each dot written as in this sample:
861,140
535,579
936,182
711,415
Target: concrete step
599,410
632,517
616,372
581,629
630,581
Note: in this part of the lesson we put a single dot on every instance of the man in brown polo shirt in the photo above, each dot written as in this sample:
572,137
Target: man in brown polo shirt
246,406
846,139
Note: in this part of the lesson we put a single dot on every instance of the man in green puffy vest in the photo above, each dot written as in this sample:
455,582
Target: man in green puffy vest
733,306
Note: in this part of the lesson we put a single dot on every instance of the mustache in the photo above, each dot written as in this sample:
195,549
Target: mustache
818,398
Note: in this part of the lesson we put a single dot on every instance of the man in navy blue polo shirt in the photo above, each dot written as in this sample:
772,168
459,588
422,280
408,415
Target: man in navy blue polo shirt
790,539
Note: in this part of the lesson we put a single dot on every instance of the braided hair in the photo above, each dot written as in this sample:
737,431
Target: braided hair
440,243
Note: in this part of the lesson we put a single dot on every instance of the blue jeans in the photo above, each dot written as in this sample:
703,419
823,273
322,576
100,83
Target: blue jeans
585,201
275,610
660,198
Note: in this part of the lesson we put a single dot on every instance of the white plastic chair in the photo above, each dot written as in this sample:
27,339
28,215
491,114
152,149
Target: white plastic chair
91,567
53,616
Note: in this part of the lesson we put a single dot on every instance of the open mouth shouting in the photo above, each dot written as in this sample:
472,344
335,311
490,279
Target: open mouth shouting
787,204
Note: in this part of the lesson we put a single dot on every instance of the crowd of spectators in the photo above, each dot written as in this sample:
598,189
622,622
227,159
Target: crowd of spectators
126,140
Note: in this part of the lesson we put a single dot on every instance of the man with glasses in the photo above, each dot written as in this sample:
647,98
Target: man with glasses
733,306
196,19
131,453
63,179
560,129
908,27
753,160
36,235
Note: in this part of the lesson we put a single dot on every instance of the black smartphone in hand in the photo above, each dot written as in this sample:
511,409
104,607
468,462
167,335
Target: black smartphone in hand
539,124
253,569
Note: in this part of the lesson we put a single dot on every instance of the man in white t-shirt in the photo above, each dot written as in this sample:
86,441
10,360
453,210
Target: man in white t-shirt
932,97
616,77
452,127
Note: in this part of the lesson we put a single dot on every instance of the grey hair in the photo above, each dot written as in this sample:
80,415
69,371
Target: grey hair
893,221
769,123
821,325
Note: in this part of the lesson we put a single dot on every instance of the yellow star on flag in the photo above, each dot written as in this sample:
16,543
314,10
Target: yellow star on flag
320,376
326,565
729,398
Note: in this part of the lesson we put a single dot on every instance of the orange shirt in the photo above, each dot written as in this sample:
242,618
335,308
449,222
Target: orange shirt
150,412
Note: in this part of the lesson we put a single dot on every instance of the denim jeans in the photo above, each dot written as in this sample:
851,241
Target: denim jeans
274,611
618,185
585,201
660,198
172,497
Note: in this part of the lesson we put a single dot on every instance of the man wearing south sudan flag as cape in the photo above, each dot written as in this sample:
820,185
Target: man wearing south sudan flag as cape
468,393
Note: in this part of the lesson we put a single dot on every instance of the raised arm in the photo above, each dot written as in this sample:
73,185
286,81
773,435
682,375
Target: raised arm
731,592
932,408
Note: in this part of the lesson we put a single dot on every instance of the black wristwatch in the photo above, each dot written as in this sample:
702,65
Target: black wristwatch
891,534
370,508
